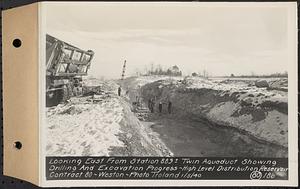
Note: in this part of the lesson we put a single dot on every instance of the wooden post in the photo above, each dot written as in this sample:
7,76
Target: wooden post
123,71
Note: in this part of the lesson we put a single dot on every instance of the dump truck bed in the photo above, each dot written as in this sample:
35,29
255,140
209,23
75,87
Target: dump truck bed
64,59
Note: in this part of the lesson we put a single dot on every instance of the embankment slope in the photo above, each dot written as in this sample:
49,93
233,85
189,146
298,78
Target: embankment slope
259,112
99,125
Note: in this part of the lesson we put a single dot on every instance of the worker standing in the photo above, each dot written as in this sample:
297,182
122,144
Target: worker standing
160,106
149,103
137,99
119,91
170,107
152,105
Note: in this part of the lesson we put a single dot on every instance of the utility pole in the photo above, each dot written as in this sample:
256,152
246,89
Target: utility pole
123,71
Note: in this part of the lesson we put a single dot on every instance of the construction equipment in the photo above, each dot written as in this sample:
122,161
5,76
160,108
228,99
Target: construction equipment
65,67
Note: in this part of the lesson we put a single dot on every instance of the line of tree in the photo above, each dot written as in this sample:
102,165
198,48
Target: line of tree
158,70
203,74
253,75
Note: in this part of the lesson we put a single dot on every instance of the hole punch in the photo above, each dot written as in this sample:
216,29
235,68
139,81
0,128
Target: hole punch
18,145
17,43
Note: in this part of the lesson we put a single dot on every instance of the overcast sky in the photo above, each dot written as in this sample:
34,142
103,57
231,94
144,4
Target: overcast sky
221,39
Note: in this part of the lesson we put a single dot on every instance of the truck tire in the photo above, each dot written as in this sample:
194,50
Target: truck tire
53,99
66,93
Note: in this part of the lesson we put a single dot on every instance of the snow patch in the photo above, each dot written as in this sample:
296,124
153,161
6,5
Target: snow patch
85,129
261,112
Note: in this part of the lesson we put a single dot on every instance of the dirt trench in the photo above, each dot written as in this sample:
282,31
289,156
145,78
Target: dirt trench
187,136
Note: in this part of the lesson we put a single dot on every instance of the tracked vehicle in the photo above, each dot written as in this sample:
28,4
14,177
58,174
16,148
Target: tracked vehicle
65,67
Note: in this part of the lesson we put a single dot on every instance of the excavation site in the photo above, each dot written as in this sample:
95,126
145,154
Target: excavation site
172,116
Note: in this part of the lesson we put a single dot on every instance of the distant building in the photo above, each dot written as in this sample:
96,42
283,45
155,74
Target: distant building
174,71
194,74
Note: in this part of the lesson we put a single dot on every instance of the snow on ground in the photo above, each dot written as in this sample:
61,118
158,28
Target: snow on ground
272,127
224,86
99,123
261,112
105,85
84,129
141,81
243,87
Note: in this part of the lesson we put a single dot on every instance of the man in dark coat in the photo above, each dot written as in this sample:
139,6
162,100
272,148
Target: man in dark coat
160,107
152,105
149,104
170,106
119,91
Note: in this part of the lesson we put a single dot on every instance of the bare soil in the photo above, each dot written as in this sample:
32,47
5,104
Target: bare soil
195,138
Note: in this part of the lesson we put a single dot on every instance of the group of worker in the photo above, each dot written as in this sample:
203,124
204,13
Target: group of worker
151,105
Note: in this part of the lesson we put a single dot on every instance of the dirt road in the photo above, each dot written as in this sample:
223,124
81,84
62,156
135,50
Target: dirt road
193,138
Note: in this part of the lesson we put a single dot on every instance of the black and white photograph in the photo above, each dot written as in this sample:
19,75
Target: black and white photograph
168,80
150,94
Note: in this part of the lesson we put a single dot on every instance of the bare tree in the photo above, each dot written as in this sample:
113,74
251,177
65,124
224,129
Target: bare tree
152,67
137,72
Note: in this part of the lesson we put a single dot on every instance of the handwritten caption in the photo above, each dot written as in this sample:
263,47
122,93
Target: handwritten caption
79,168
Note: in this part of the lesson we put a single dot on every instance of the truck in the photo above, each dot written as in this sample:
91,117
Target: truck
65,67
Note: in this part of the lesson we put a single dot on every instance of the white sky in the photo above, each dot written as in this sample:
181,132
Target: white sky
223,39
